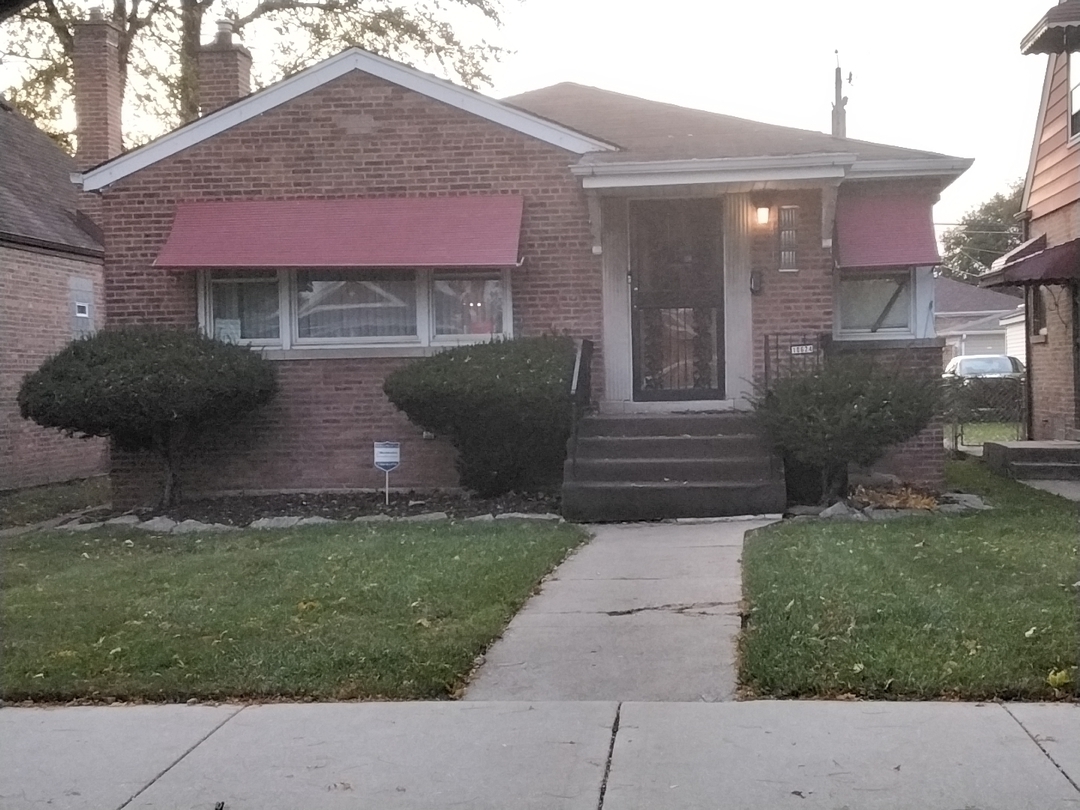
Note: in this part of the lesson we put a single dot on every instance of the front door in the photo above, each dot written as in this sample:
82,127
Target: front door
677,299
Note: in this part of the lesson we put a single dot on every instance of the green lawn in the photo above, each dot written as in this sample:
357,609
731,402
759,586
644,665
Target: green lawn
394,611
977,606
976,433
25,506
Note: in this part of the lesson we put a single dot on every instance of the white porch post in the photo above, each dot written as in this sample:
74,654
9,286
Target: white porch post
738,321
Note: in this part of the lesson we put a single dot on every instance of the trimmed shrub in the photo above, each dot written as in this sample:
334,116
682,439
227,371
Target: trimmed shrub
504,405
849,410
147,389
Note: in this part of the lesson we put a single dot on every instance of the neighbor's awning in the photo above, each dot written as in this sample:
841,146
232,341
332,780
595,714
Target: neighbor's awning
427,232
1053,265
885,230
1057,32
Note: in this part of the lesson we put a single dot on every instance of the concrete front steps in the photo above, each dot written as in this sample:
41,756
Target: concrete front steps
630,467
1034,461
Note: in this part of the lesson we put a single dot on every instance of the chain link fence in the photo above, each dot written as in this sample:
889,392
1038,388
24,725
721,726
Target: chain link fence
977,410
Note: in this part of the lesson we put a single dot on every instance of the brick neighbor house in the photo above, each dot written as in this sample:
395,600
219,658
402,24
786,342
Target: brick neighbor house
50,292
361,213
1047,264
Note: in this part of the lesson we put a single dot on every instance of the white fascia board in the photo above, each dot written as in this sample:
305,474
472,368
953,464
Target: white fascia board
915,167
316,76
818,167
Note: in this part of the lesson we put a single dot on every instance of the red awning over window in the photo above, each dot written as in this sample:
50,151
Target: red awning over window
1055,265
887,230
478,231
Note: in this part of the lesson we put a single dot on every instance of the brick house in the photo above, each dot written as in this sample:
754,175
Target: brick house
1046,266
50,292
360,213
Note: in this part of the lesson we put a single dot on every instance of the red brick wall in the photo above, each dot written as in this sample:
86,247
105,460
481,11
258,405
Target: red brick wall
791,303
35,322
801,304
356,136
1051,372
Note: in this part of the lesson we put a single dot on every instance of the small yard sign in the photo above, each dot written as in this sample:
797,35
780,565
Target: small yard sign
387,459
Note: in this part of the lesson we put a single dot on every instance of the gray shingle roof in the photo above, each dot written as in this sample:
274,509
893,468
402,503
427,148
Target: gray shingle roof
951,295
38,203
652,130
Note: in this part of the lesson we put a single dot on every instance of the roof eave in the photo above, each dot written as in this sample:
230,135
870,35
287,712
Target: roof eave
830,167
946,168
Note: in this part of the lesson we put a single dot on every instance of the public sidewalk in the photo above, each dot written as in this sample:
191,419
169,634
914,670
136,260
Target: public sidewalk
757,755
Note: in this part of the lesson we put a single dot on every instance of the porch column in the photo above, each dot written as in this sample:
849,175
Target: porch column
738,306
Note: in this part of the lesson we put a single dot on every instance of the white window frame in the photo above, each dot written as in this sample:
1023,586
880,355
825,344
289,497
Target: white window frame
885,333
1072,94
290,344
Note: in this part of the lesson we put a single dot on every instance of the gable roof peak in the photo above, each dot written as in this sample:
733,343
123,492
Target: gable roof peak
291,87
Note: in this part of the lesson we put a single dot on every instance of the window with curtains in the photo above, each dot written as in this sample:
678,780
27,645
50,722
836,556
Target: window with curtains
874,302
333,307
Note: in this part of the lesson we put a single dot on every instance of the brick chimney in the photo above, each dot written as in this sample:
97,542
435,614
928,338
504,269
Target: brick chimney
99,90
224,70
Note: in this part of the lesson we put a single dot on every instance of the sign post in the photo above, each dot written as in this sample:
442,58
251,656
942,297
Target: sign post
387,459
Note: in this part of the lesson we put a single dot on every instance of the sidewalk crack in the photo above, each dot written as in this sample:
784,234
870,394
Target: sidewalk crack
1046,753
610,753
674,608
179,759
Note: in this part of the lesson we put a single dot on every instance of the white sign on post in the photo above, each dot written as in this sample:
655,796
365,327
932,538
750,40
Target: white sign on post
387,459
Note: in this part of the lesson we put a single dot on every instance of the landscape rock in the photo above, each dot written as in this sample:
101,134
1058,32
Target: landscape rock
123,520
802,509
82,527
371,519
426,517
480,519
189,526
156,524
837,510
528,516
965,499
280,522
315,520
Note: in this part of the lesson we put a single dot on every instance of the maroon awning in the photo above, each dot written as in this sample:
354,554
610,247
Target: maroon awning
427,232
1055,265
1057,32
885,230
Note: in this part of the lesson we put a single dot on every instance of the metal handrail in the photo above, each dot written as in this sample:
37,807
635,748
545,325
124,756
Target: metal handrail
580,393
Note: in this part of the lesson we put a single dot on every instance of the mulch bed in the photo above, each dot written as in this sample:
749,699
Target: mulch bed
240,510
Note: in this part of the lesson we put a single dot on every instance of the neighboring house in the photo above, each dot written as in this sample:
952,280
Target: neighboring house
360,213
969,318
1015,333
50,292
1047,264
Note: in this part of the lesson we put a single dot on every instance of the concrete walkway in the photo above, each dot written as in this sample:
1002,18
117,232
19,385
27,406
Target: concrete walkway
643,612
543,756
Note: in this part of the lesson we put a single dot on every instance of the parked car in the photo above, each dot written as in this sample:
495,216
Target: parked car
998,366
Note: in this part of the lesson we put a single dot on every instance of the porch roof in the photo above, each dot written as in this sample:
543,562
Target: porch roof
434,232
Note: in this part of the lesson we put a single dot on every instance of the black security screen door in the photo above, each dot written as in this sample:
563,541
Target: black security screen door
677,297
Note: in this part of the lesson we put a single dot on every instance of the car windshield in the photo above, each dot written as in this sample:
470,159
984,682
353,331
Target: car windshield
978,366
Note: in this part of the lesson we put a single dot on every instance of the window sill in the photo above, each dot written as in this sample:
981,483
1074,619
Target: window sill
788,269
359,352
887,342
1037,338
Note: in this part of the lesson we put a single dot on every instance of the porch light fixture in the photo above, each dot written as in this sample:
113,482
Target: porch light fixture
763,215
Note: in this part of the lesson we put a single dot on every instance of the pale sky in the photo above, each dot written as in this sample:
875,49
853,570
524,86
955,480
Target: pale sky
941,75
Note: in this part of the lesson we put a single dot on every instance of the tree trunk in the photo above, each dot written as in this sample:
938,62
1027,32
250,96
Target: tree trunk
191,17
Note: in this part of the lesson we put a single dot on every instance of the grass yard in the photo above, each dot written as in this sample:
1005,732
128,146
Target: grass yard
978,606
976,433
25,506
331,612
